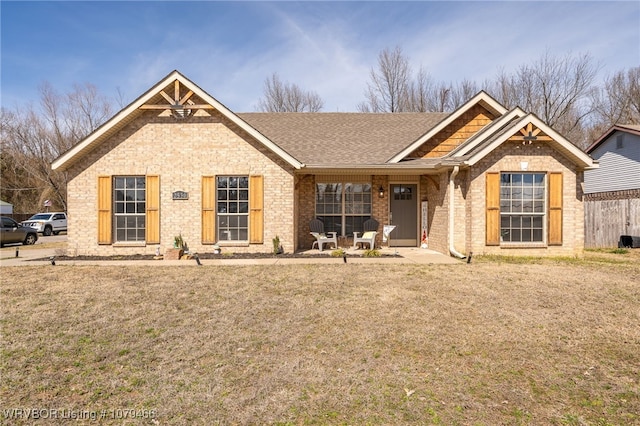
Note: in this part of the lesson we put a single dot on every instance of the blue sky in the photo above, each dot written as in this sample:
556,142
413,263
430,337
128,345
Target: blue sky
230,48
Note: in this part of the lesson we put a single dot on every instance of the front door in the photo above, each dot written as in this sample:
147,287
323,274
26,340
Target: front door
404,215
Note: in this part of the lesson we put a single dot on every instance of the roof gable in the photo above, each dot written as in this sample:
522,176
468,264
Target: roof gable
634,129
528,129
481,99
179,102
495,128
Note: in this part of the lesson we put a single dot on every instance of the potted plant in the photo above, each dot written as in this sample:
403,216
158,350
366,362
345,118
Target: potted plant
179,247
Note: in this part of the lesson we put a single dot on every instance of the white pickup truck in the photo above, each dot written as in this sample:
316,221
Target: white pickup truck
47,223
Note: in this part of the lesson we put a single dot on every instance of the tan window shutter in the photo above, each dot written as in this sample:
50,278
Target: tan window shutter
493,209
104,210
555,209
153,210
256,210
208,209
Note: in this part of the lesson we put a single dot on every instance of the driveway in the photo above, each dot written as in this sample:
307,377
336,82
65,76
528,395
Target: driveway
44,247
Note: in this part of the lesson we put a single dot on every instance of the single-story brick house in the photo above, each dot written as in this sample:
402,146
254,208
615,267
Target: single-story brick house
481,179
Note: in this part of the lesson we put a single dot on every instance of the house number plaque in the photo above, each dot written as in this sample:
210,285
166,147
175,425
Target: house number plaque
180,195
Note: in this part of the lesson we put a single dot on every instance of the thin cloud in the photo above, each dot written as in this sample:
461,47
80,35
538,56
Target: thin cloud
230,48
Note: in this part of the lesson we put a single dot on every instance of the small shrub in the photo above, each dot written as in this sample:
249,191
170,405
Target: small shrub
371,253
277,247
338,253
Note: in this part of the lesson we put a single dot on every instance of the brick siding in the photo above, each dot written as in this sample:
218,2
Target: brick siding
180,153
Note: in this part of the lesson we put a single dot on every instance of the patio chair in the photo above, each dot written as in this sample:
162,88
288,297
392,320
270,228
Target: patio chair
368,236
322,238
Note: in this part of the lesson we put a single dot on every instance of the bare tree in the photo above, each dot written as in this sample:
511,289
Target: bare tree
285,97
618,102
388,90
461,93
32,138
393,88
554,88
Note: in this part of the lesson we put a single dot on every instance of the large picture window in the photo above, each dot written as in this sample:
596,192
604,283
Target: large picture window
232,201
522,207
129,198
343,207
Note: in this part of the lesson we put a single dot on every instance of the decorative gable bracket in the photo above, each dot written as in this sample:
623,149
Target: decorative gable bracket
181,107
531,133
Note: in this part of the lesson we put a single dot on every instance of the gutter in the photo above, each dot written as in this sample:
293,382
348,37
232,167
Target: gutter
452,186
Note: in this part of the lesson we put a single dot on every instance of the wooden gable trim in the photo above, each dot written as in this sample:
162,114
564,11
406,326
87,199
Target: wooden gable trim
482,98
456,133
82,148
546,135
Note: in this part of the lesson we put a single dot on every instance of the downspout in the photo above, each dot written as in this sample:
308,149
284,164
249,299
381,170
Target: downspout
452,187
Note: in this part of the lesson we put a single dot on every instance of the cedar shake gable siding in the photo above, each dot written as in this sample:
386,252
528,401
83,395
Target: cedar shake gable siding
457,133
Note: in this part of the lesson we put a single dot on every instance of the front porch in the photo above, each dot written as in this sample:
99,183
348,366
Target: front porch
414,204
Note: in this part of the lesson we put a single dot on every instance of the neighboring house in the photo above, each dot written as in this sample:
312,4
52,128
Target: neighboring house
6,208
612,192
482,179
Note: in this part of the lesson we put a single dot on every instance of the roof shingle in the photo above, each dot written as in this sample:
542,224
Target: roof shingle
328,138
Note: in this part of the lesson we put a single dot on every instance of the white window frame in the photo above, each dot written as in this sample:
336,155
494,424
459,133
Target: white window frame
517,193
232,211
129,211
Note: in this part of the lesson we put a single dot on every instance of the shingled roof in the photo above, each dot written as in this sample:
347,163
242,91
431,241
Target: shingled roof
328,138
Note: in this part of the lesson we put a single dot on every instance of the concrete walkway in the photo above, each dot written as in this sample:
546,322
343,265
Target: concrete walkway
406,255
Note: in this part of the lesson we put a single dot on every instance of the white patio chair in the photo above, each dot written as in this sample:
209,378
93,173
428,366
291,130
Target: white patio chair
369,235
322,238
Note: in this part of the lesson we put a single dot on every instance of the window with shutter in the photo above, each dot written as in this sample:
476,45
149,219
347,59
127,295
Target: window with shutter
104,210
153,210
493,209
208,210
256,206
555,208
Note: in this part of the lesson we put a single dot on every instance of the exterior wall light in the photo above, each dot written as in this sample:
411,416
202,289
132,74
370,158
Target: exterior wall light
179,112
381,192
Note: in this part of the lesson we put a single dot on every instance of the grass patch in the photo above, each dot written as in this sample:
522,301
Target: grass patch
492,342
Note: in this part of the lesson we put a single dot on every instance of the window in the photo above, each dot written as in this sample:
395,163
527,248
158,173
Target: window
620,141
401,192
343,207
522,207
129,195
232,201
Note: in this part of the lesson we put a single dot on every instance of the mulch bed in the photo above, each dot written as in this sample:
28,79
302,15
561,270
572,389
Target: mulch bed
208,256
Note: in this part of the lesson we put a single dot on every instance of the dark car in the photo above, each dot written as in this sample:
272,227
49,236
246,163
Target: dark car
13,232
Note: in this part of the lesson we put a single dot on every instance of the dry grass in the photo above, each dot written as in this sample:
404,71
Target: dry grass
544,342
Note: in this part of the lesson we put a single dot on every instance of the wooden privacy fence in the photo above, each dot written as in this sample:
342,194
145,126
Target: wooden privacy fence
608,215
